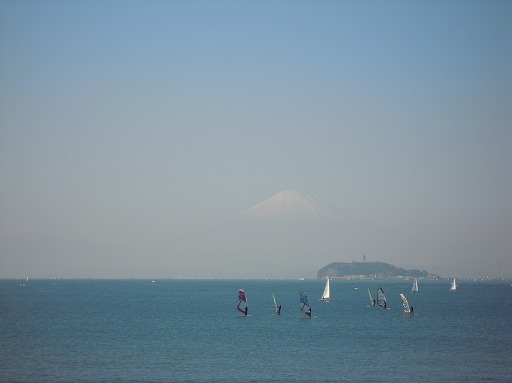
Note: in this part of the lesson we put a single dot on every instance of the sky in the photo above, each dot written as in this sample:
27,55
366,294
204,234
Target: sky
129,129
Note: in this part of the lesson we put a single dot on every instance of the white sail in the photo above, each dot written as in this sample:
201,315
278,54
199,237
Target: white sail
415,286
407,308
372,301
326,296
277,307
454,286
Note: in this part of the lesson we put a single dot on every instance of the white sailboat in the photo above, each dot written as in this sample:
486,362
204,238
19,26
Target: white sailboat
454,286
326,296
415,286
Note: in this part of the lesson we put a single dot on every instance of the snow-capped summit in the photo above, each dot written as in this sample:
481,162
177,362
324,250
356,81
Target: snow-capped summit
291,205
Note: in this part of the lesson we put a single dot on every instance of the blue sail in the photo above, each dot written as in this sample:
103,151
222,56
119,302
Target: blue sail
303,300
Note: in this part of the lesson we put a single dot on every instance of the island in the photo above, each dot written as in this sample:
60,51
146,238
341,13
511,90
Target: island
370,270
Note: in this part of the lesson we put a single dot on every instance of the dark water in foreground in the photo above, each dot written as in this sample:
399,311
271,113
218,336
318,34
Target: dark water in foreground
189,331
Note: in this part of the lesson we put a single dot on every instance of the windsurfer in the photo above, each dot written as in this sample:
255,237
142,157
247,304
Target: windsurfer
412,311
279,310
308,313
373,302
242,298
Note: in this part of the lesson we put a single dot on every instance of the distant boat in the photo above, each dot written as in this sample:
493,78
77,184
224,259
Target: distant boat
415,286
372,301
381,299
326,296
407,308
453,286
276,306
242,302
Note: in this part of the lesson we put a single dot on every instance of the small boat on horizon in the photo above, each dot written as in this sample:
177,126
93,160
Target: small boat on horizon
453,286
415,288
326,296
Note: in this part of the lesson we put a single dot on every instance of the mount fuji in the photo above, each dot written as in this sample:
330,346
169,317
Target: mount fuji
289,234
288,205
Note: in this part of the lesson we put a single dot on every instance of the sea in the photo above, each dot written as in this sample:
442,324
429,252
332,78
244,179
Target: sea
190,331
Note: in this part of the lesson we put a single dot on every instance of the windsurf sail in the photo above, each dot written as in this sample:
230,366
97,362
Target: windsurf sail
372,301
407,308
326,296
303,301
415,286
454,286
242,302
276,306
381,298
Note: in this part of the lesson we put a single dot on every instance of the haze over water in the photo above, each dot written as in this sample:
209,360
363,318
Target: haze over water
133,132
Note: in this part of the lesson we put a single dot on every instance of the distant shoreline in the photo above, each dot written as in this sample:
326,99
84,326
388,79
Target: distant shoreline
344,278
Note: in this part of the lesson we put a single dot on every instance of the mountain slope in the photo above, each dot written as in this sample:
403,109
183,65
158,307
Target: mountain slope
289,234
292,205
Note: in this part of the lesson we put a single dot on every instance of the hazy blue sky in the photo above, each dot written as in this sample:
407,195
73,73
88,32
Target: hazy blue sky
128,126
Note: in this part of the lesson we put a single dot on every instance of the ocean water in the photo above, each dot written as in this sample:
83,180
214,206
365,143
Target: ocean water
190,331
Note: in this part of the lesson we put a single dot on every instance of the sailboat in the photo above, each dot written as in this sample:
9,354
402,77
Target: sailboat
453,286
372,301
303,303
326,296
415,286
381,299
276,306
407,309
242,302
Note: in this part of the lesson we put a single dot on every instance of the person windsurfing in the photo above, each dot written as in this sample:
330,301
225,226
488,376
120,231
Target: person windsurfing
304,303
243,311
303,300
277,307
372,300
242,298
381,298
